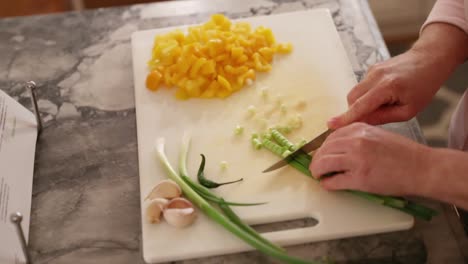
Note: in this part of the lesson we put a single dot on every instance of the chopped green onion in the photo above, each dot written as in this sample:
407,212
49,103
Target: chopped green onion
238,130
251,110
267,135
284,129
301,143
273,147
282,140
255,140
223,165
286,153
256,143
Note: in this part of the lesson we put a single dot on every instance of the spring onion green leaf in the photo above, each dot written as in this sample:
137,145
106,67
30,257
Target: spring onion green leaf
233,217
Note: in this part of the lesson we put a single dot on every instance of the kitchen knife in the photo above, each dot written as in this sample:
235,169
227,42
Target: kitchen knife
307,148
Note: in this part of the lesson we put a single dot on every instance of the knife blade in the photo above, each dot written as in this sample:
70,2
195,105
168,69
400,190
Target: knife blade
307,148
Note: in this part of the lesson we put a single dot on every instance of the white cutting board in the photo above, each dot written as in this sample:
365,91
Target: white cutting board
318,71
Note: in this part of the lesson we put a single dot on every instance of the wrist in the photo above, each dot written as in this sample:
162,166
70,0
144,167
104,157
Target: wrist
429,178
445,176
444,44
423,181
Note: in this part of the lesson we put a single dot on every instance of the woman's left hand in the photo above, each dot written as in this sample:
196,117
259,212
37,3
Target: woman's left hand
371,159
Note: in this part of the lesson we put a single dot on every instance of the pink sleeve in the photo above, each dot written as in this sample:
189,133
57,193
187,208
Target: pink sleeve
449,11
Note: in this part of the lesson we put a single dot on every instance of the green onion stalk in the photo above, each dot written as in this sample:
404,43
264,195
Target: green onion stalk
302,160
198,195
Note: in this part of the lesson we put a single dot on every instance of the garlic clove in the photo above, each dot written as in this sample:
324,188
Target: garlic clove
167,189
179,212
154,210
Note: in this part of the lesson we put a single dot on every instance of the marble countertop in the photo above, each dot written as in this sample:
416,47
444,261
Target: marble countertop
85,206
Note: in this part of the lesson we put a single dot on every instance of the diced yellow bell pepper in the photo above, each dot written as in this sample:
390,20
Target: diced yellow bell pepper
181,94
153,80
214,59
224,83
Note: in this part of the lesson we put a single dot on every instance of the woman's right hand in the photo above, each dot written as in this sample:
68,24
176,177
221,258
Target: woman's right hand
397,89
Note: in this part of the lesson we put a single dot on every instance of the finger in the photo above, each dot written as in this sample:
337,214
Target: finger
347,131
389,114
342,181
328,164
332,146
361,108
360,89
340,141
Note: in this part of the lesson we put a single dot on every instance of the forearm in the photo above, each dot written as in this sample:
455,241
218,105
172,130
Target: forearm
446,177
444,44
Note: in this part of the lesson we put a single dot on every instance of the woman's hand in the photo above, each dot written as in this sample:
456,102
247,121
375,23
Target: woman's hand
374,160
397,89
371,159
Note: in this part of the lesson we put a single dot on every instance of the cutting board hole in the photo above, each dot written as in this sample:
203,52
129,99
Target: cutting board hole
286,225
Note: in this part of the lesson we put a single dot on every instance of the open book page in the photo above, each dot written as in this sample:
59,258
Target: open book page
18,133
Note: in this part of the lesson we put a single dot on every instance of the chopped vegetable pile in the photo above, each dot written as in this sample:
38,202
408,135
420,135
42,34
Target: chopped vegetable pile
214,59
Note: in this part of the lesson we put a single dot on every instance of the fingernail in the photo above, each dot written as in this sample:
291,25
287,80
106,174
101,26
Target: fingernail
332,122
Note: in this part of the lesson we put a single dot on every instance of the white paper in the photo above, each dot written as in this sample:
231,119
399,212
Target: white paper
18,133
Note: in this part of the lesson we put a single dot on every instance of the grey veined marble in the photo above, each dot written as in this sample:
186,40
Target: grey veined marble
85,206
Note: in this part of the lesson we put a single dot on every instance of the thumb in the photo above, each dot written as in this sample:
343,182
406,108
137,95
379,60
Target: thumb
361,108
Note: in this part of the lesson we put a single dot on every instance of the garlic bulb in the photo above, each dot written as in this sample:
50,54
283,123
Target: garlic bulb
166,189
154,209
179,212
